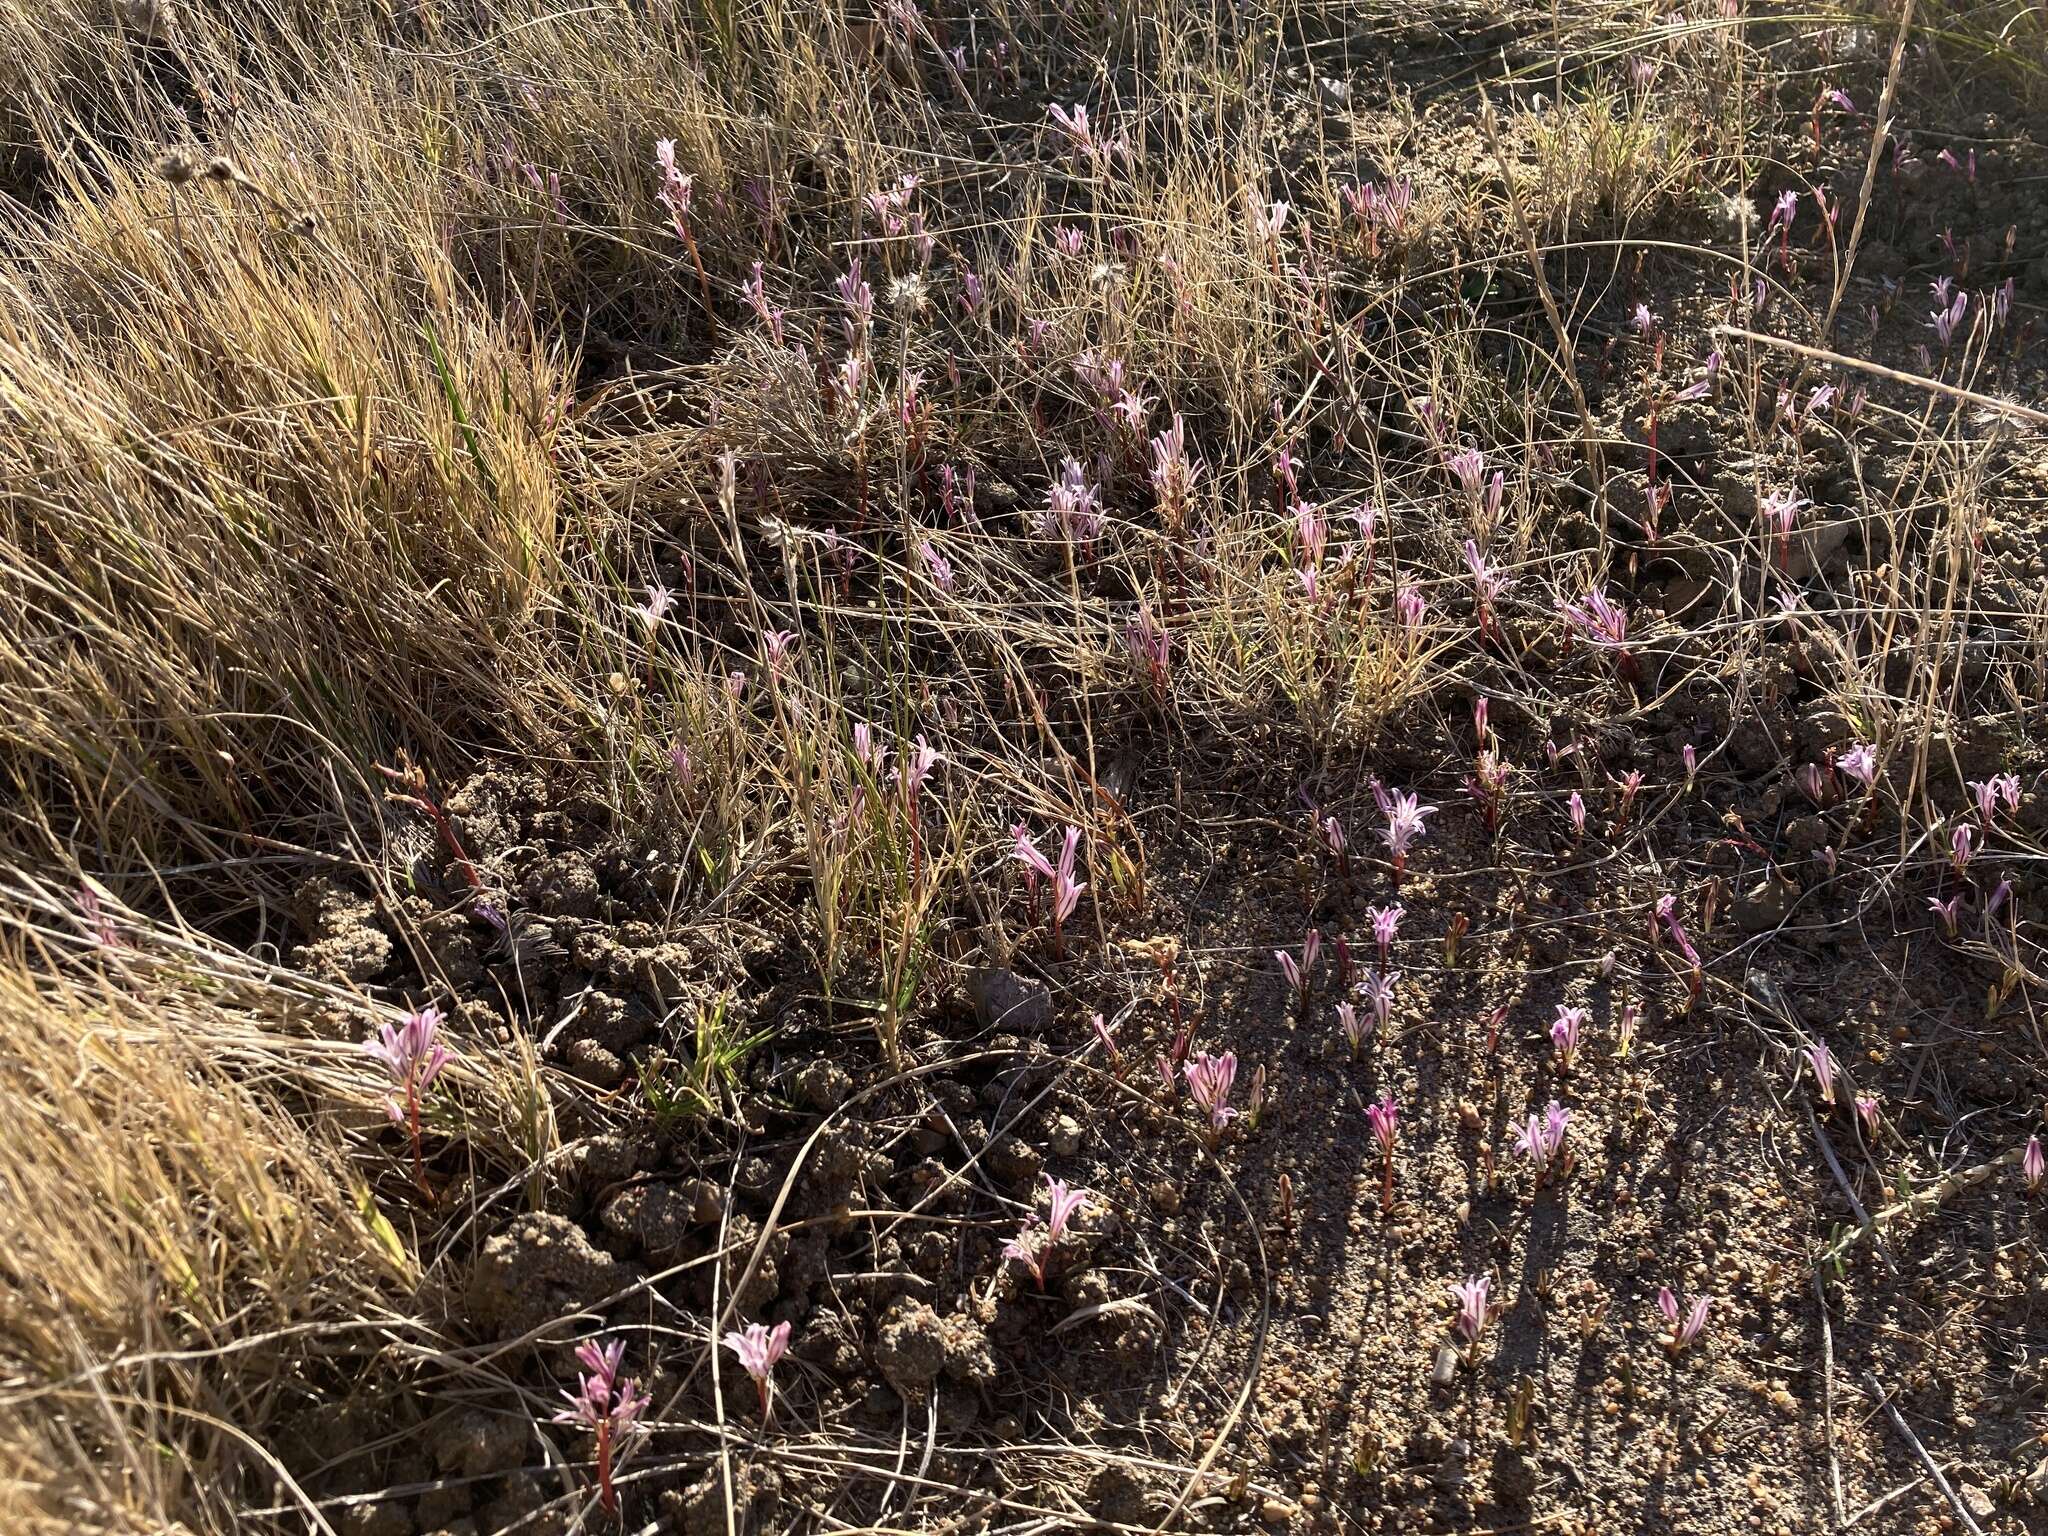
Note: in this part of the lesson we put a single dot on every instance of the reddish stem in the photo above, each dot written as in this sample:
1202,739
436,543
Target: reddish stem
703,282
607,1495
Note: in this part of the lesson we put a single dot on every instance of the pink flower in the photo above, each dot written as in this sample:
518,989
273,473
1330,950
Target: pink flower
603,1398
675,186
1860,763
1867,1112
1488,785
1353,1027
608,1407
1036,865
1072,512
1106,1039
659,600
1267,219
1209,1082
1541,1140
1564,1034
1600,620
867,750
1331,831
1291,969
1991,794
1378,987
1385,1119
940,568
1028,1248
1473,1310
1410,607
1173,474
1961,846
1405,817
1947,911
1780,509
1487,582
1066,1204
1146,638
1667,912
1385,921
413,1055
1066,890
1822,1061
1708,381
917,766
758,1350
1311,532
1683,1333
2032,1168
1576,805
92,911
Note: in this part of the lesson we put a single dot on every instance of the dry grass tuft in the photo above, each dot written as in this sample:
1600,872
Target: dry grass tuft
183,1250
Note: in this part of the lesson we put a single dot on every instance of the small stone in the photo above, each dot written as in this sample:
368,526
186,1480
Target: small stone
1004,1000
1166,1197
1763,906
1445,1371
1977,1501
1276,1511
1065,1136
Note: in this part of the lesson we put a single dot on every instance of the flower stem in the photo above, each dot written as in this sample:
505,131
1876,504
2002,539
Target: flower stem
412,1108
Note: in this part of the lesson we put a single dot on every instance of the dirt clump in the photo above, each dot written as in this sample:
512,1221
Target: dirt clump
539,1268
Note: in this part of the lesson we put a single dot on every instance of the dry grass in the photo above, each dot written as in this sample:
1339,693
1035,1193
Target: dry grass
354,388
183,1250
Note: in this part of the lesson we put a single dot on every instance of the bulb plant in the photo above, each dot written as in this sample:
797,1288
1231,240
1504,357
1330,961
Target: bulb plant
1385,1120
1681,1330
1209,1081
609,1408
413,1056
1036,1245
1475,1311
